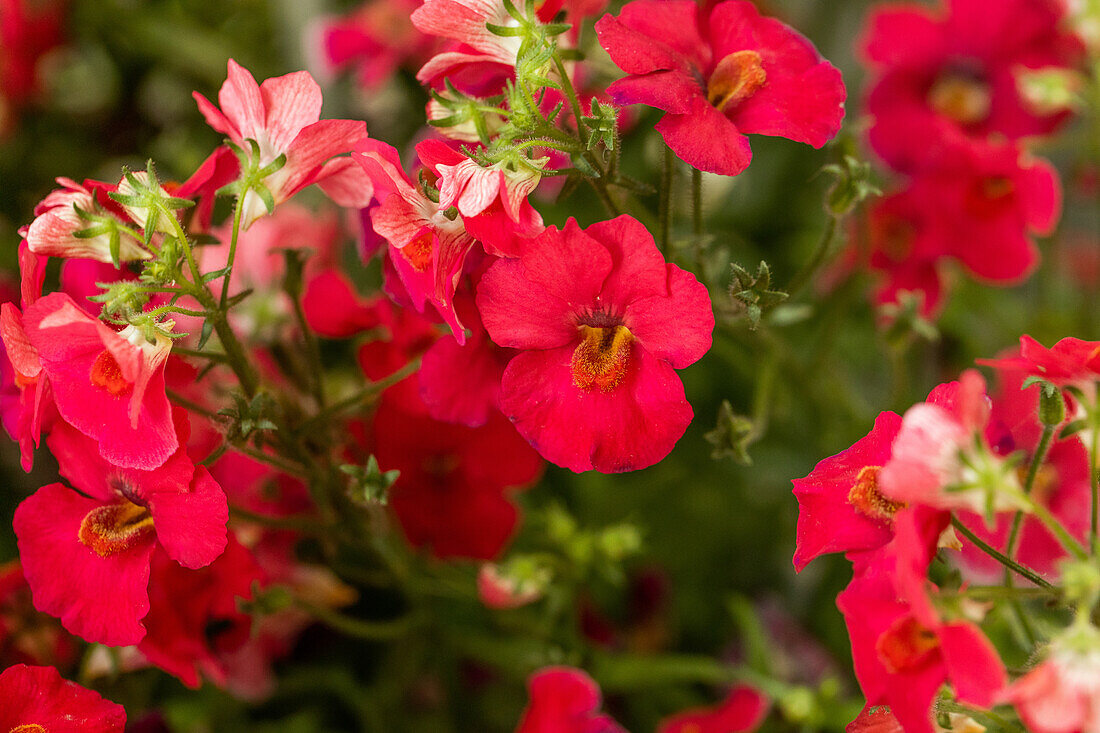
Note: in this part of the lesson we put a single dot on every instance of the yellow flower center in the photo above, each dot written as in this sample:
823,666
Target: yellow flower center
601,359
735,79
115,527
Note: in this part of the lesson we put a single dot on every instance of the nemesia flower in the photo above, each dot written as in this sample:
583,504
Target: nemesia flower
492,202
86,557
1071,361
601,322
1062,694
53,231
936,462
194,625
564,700
903,651
376,38
39,699
450,496
840,505
744,709
283,115
219,169
951,71
428,249
879,719
464,21
720,73
107,384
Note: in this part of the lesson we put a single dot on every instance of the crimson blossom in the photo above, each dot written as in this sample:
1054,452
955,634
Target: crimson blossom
564,700
39,699
721,72
601,322
952,72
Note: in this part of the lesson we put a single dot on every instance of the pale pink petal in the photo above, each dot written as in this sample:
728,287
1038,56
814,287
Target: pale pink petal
291,102
241,102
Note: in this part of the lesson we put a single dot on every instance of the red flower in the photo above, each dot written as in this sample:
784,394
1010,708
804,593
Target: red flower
28,30
107,384
450,495
194,624
1071,361
283,115
744,709
86,558
951,72
564,700
841,508
602,323
902,650
464,22
38,699
721,73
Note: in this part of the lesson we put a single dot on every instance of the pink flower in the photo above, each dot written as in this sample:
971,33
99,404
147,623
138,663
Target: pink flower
464,21
107,384
942,459
34,408
86,558
564,700
38,699
744,709
719,74
28,30
283,116
602,323
493,203
903,651
841,507
377,38
427,248
951,71
53,231
1061,695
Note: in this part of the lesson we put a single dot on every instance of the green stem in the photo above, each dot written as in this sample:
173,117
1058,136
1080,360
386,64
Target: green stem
571,95
313,350
307,525
359,397
238,210
273,461
370,630
1008,562
192,406
1032,472
803,276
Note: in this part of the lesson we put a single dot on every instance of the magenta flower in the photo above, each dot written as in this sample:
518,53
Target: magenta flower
39,699
564,700
107,384
744,709
903,651
841,508
951,71
602,323
283,116
86,557
721,74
